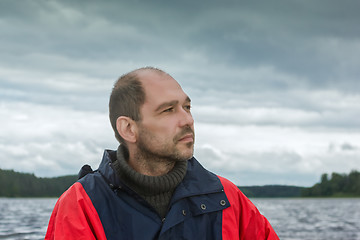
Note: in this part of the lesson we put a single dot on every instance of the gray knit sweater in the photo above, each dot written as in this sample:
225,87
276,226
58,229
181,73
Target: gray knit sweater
156,190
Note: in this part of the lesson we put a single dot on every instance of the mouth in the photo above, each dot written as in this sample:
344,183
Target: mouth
187,138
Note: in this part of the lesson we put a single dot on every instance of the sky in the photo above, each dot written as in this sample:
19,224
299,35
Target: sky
274,85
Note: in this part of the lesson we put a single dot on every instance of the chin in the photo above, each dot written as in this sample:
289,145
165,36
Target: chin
188,156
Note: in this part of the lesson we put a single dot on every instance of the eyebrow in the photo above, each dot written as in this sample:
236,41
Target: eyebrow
171,103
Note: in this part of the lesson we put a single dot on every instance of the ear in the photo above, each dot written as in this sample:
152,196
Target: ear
127,128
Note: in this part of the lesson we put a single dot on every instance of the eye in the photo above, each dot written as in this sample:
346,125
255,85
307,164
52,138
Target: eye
187,107
170,109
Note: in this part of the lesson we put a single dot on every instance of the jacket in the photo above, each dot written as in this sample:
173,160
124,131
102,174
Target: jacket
203,206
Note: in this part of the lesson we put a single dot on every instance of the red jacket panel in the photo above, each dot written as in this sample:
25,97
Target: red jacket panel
74,217
242,220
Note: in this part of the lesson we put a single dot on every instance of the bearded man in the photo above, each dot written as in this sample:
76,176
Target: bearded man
152,187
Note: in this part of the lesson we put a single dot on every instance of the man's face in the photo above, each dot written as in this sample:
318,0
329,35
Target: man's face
166,130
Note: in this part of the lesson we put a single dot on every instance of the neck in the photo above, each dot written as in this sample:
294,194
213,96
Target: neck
156,190
150,165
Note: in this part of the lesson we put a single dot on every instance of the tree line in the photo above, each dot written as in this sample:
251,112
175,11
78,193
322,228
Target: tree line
337,185
271,191
15,184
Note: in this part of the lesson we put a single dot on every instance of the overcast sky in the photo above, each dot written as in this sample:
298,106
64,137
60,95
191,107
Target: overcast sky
274,84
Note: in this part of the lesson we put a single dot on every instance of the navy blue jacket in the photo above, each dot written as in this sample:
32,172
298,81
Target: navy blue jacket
203,206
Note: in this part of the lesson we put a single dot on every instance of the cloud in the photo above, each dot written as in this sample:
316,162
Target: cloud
300,156
50,140
310,109
348,147
274,86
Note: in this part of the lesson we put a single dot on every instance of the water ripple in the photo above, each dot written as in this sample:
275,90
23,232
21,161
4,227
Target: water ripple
292,219
313,219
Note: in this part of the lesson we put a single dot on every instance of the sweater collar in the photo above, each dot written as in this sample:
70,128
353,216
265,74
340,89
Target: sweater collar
143,184
197,180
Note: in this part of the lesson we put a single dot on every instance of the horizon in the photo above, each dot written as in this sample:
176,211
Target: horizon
342,173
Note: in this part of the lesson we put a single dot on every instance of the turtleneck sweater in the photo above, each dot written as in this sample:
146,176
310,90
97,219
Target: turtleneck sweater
156,190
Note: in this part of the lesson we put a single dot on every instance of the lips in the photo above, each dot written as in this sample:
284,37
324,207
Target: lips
187,135
187,138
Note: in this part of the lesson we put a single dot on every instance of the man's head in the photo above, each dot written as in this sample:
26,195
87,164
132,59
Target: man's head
150,111
126,98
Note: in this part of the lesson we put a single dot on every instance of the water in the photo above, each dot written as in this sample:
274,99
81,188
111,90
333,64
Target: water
24,218
292,219
313,219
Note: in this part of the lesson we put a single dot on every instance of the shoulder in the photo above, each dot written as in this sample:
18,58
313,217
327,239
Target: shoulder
227,183
75,216
73,194
235,195
75,204
242,218
229,187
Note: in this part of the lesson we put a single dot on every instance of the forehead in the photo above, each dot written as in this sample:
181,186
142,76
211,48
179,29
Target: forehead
160,88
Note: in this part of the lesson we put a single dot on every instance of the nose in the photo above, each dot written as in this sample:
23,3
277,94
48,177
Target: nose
186,118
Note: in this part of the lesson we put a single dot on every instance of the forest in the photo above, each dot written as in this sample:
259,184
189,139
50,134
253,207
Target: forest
15,184
337,185
272,191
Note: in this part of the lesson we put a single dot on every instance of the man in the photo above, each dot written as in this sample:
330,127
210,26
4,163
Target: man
152,187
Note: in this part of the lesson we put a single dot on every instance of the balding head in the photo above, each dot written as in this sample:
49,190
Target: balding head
128,95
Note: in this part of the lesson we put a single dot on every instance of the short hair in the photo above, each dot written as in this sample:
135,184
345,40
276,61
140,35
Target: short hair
126,98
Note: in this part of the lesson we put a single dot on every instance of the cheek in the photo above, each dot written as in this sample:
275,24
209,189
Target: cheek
158,130
165,128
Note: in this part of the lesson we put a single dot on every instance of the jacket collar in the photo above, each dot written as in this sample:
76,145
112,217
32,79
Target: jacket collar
197,181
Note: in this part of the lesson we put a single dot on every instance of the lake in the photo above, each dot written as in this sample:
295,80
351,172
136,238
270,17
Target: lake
313,219
292,219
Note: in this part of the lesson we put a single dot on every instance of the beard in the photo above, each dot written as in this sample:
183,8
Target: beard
152,148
